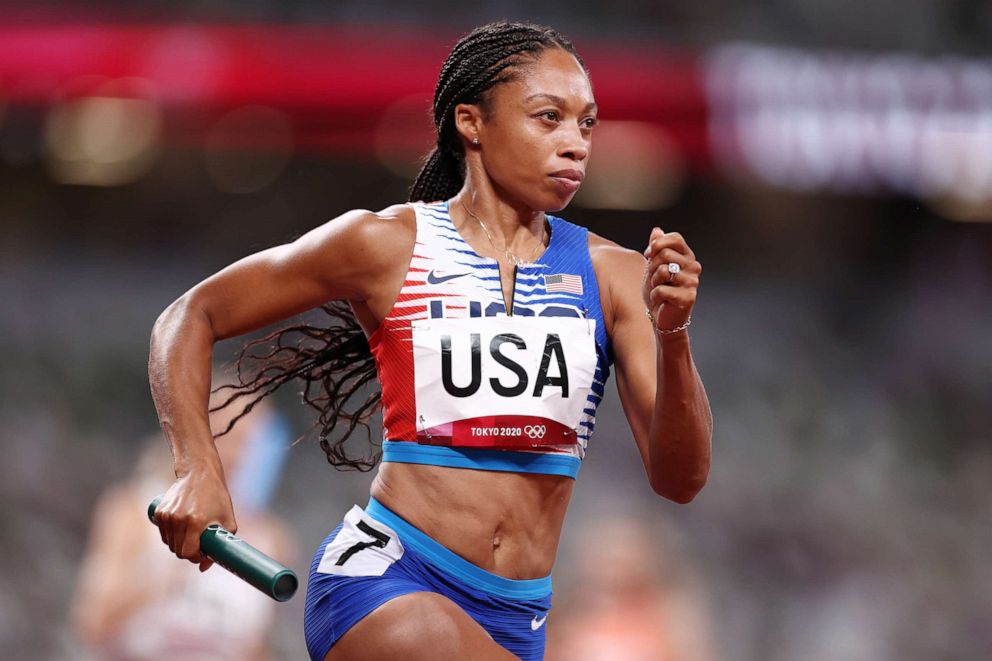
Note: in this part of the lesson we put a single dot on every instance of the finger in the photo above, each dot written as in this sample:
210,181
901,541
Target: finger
680,298
183,547
687,264
656,233
190,549
168,529
667,256
160,523
205,563
672,240
682,280
688,276
663,275
683,303
676,241
659,265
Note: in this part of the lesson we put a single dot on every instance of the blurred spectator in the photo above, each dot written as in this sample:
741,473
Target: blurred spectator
630,598
135,600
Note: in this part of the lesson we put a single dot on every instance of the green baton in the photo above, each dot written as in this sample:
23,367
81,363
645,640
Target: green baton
243,560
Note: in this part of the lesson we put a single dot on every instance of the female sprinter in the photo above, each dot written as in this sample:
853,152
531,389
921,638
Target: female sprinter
491,325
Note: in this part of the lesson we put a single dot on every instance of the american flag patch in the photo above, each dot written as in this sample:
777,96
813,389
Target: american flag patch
563,282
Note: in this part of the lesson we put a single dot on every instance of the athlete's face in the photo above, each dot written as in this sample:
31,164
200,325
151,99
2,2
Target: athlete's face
537,134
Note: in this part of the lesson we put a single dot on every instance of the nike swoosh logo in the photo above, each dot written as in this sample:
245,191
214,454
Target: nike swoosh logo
438,279
536,624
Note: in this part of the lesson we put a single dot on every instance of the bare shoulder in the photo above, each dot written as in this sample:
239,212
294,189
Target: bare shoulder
391,227
398,214
358,244
615,264
374,259
389,237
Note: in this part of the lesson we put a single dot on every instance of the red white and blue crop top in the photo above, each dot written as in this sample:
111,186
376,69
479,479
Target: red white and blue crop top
465,384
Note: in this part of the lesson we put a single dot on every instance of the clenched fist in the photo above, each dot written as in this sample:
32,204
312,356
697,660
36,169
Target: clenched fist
669,292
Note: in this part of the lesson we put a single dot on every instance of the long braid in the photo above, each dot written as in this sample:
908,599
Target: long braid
335,363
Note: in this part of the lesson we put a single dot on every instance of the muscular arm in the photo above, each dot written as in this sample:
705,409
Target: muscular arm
355,256
660,390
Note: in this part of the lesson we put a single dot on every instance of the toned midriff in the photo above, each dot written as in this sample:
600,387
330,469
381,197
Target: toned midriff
506,523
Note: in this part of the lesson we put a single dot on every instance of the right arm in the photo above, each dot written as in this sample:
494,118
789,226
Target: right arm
354,257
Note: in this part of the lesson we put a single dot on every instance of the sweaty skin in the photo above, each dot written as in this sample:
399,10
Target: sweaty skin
535,128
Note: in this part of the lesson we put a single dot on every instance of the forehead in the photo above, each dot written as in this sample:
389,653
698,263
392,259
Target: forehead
555,72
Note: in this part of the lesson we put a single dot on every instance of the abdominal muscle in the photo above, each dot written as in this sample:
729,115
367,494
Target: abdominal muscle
506,523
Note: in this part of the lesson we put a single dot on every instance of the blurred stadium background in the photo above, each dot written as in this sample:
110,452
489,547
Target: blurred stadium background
830,164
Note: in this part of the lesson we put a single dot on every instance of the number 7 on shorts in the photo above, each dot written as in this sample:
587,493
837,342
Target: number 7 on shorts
363,547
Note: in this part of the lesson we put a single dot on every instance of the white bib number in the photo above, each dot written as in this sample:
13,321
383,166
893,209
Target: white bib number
363,547
502,381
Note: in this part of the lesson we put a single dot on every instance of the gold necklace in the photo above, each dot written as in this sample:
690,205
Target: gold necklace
510,257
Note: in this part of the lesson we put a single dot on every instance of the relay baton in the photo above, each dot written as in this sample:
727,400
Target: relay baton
243,560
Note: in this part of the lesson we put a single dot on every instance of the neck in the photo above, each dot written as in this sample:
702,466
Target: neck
492,218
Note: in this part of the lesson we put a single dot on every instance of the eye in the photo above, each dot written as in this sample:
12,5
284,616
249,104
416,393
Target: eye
589,122
551,115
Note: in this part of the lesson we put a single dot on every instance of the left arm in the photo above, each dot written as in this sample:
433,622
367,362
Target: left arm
660,389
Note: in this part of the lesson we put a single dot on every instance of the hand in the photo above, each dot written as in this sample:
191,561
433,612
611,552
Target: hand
670,299
193,502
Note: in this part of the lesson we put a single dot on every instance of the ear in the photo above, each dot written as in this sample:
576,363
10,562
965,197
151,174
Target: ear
468,122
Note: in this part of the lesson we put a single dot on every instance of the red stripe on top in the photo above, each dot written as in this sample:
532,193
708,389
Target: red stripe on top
392,350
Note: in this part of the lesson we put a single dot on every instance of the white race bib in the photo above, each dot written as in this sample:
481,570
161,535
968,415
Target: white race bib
363,547
502,381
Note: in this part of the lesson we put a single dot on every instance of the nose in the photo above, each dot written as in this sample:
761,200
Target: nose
574,145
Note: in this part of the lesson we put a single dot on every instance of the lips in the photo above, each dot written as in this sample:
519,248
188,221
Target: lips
567,181
574,175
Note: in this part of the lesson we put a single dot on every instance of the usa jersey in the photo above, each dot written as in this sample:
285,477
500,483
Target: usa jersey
467,383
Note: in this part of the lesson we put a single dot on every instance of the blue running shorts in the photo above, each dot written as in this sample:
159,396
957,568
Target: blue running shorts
374,556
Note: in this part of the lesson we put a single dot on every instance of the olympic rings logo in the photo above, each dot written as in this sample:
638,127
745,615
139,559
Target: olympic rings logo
535,431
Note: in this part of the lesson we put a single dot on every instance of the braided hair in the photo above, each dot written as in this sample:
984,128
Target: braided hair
484,58
335,362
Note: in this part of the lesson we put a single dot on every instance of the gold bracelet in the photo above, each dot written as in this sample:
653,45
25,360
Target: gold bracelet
662,331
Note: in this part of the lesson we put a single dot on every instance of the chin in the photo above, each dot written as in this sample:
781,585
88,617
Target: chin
558,203
548,201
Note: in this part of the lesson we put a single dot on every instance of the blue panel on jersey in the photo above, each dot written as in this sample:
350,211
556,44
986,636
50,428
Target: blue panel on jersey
406,452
